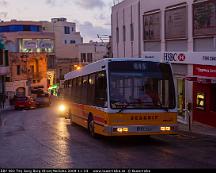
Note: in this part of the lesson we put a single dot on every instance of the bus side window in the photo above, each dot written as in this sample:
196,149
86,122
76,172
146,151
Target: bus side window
101,89
91,90
73,89
79,90
84,90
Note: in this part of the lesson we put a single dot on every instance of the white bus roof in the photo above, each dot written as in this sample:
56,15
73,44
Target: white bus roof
96,66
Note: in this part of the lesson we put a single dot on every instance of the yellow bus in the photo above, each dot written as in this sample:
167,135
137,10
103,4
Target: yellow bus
122,97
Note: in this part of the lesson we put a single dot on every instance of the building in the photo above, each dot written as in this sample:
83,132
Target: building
63,45
28,71
84,54
176,31
31,52
70,50
66,36
4,69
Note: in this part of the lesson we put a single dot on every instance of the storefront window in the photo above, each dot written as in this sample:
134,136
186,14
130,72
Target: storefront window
213,98
200,103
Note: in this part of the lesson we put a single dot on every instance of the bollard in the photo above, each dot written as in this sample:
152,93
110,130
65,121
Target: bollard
189,109
189,121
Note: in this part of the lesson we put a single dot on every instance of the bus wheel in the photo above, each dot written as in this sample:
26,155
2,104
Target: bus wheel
91,128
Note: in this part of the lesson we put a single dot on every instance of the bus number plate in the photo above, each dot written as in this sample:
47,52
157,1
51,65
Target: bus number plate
144,129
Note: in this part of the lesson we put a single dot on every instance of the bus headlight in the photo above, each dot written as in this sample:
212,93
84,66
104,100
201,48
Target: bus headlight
62,108
121,130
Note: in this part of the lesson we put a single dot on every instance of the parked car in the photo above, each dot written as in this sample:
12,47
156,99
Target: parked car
43,99
24,103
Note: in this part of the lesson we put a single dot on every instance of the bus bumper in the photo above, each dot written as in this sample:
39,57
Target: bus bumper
132,130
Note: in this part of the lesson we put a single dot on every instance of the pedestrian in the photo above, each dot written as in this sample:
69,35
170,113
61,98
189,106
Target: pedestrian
3,100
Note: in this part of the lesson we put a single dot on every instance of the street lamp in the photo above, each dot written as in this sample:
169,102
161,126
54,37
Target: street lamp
77,67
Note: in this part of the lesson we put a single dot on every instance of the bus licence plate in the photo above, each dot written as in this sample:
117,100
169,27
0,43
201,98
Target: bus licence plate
143,129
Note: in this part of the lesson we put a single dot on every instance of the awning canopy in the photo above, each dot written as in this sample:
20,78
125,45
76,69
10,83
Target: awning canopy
201,79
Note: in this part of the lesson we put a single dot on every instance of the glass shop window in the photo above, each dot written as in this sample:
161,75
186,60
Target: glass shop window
200,101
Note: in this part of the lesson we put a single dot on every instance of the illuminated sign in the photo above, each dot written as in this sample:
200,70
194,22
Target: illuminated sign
30,44
204,70
45,44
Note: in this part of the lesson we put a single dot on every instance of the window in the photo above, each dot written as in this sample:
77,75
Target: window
84,89
132,31
1,57
89,57
72,42
101,89
61,74
91,89
65,41
72,29
26,28
67,30
18,70
117,35
79,89
83,57
17,28
73,89
147,86
200,101
213,98
124,33
6,58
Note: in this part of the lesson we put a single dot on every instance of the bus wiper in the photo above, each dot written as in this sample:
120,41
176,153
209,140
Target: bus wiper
123,108
165,108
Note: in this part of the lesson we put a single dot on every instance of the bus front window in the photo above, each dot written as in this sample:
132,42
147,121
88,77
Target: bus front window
141,90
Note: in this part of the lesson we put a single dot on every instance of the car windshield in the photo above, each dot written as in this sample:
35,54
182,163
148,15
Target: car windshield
142,89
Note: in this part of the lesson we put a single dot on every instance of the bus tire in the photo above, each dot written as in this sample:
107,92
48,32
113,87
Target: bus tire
91,128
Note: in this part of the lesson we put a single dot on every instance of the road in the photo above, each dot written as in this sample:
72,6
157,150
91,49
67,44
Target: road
41,139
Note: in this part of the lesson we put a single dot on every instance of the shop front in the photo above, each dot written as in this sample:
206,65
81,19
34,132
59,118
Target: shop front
195,81
204,94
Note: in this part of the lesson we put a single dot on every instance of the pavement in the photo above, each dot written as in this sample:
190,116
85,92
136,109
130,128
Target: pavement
197,128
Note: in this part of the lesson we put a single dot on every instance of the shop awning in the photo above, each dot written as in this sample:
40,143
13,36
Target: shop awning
201,79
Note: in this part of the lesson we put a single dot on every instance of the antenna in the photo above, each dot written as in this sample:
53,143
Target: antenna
103,37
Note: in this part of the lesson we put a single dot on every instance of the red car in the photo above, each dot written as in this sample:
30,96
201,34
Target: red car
24,103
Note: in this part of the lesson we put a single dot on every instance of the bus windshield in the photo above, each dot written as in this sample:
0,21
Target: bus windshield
141,85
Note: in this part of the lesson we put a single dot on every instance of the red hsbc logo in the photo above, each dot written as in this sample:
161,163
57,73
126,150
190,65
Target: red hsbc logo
181,57
174,57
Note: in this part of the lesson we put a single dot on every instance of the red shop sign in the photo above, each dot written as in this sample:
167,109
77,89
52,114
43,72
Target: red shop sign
204,70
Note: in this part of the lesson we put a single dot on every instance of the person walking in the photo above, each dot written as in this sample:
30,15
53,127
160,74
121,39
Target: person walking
3,101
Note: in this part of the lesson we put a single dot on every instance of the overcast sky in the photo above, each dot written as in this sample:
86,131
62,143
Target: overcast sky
91,16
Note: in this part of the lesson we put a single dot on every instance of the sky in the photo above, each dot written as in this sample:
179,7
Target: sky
91,16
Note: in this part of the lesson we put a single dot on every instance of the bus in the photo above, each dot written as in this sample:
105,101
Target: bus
122,97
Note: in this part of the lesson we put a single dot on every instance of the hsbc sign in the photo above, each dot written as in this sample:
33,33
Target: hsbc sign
174,57
203,58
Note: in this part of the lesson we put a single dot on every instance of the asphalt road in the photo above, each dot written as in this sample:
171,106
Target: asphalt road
41,139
